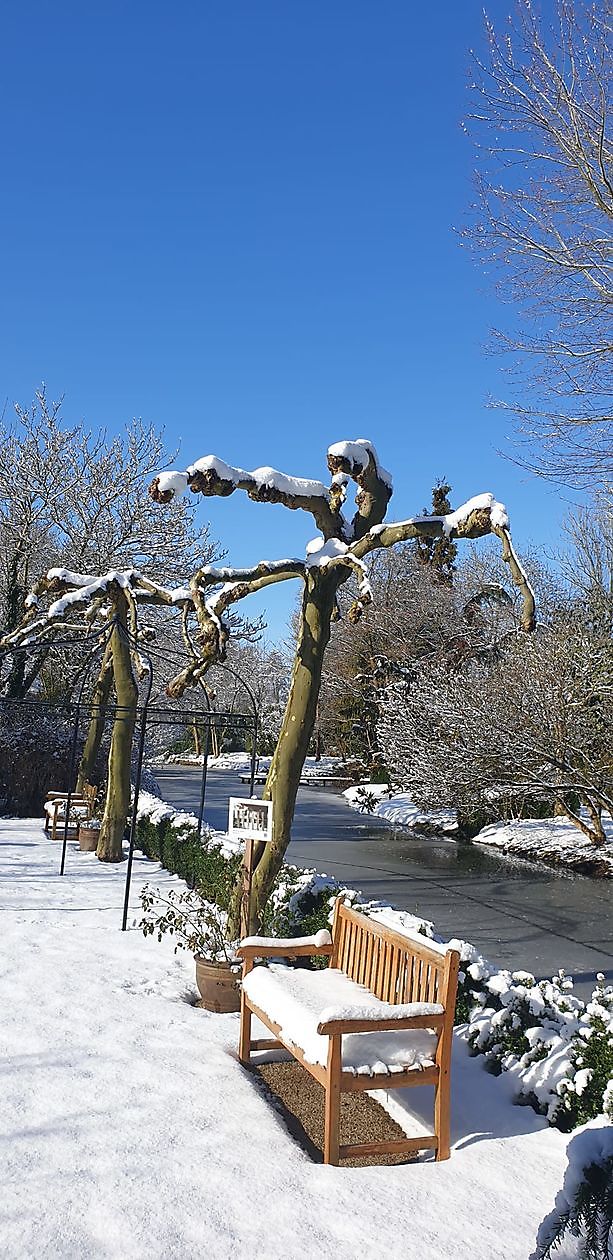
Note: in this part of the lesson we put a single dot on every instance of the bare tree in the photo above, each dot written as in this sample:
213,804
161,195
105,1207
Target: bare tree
70,499
588,567
544,216
518,727
336,555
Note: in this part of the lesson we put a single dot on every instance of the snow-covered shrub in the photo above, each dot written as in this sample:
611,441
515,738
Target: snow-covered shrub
587,1090
558,1051
584,1206
300,902
508,1030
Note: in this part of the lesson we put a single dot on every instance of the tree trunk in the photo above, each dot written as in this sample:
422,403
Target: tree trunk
196,738
594,831
293,743
100,698
117,804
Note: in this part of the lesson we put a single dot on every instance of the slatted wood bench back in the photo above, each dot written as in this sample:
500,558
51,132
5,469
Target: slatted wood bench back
395,968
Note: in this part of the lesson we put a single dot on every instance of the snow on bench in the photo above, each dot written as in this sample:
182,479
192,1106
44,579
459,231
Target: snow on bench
300,1000
382,1013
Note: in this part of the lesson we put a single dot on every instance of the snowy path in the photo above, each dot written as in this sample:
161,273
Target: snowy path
129,1130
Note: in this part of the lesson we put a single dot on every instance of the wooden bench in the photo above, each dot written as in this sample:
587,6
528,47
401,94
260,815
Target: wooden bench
309,781
81,806
380,1017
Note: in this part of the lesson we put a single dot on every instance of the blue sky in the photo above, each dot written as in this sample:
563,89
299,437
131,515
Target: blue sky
237,220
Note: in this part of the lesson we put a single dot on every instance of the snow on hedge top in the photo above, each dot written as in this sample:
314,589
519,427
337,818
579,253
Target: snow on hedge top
358,452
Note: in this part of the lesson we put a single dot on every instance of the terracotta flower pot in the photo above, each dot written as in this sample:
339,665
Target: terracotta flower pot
218,986
88,839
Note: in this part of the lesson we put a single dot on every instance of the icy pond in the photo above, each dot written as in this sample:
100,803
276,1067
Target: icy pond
519,914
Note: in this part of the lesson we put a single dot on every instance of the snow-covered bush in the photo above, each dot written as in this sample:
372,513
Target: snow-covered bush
584,1206
588,1087
557,1051
171,837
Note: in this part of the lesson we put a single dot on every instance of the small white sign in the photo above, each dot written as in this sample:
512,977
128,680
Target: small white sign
250,819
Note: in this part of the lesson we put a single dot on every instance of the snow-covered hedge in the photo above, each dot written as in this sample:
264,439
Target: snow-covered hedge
556,1050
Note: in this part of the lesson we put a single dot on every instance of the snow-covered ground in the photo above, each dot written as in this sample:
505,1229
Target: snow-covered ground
552,840
130,1130
313,768
399,809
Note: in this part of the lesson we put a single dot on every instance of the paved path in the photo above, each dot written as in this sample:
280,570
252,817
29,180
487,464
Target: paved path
520,914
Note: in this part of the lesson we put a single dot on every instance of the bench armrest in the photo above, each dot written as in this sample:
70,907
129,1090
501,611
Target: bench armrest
384,1018
279,947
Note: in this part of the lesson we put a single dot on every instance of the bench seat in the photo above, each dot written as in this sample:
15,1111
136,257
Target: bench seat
59,808
299,1000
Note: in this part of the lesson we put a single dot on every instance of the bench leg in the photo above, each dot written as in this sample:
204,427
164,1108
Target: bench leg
441,1115
244,1044
333,1103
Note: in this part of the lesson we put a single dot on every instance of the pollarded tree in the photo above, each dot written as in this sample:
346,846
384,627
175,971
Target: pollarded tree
104,608
338,553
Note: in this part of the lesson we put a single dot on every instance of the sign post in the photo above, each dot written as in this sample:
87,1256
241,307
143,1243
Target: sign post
249,820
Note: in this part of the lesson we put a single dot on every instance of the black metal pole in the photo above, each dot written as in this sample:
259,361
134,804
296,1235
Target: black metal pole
205,766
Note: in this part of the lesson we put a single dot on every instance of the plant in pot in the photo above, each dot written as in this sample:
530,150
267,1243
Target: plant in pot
200,927
89,834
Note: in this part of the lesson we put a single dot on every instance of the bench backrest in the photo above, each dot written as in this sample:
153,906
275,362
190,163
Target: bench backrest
394,967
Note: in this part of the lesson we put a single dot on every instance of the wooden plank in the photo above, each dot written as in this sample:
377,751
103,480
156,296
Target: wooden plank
351,1084
282,951
333,1026
409,944
267,1043
400,1147
244,1040
368,964
397,960
442,1102
351,949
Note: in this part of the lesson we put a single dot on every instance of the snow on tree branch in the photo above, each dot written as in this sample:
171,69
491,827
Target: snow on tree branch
357,461
211,476
479,516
